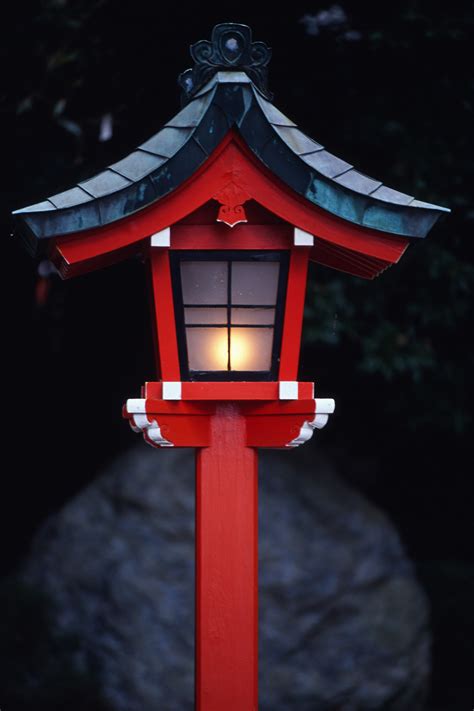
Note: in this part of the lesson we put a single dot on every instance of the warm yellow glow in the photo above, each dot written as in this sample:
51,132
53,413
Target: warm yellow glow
217,349
220,350
250,349
241,350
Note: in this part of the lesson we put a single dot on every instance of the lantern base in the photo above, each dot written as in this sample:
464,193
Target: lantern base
277,415
226,423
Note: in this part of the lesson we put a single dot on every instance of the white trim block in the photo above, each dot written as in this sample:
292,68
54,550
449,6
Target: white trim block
171,391
136,405
161,238
302,238
325,405
288,390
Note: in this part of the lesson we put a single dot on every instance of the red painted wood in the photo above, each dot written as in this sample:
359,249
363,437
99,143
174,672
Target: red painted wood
293,319
207,213
231,161
229,390
187,431
219,236
275,432
163,315
67,269
190,408
226,568
346,260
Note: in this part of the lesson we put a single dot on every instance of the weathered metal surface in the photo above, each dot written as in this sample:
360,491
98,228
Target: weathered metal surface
393,196
104,183
167,142
212,129
229,99
297,141
70,198
113,206
138,164
43,206
192,114
326,163
358,181
175,172
282,161
272,114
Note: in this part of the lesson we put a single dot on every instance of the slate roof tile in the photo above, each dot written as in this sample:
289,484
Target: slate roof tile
167,142
272,114
428,206
104,183
43,206
358,181
192,114
326,163
69,198
297,141
138,164
390,195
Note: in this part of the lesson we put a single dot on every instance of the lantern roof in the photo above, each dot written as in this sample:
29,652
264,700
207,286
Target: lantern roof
226,89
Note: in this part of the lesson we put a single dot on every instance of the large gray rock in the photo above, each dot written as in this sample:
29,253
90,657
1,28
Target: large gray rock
343,622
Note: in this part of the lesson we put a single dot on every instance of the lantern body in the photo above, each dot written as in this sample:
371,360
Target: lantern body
228,304
229,309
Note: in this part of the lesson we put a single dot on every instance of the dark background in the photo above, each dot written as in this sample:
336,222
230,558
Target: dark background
388,87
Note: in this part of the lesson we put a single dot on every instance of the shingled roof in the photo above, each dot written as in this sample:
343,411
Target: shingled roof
228,99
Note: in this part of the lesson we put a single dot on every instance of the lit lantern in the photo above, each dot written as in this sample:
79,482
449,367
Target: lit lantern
227,204
229,313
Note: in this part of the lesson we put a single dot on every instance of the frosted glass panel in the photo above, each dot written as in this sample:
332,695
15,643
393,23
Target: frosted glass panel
251,348
204,282
207,348
259,317
200,315
255,283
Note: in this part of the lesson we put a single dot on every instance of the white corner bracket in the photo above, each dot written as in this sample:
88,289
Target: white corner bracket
324,406
161,239
139,422
288,390
171,390
302,238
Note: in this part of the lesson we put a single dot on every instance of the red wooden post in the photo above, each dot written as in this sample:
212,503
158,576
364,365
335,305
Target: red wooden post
226,567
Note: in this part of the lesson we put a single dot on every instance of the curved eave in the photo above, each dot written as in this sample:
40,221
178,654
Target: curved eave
169,158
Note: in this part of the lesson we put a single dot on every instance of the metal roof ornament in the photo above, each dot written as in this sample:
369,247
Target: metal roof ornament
230,49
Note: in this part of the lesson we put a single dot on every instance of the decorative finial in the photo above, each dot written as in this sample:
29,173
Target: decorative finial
230,49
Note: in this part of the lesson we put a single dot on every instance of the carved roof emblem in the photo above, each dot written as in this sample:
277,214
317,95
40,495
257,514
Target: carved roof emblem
231,48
